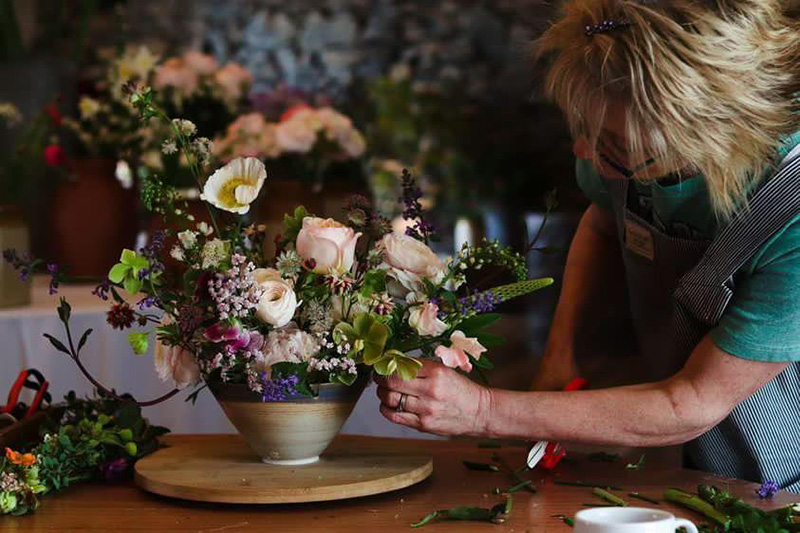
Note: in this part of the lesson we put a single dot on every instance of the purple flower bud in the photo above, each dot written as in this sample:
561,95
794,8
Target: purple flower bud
115,470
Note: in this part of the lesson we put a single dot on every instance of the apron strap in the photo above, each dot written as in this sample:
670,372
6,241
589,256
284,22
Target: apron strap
706,290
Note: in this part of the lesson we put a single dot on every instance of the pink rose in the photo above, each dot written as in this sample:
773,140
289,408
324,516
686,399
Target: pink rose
456,355
202,64
175,363
175,73
409,262
234,80
424,318
330,244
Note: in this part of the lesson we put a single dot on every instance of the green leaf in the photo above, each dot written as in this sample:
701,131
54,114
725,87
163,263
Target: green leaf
344,332
132,285
407,367
490,340
138,343
128,257
375,342
473,325
118,273
483,362
385,366
84,338
345,379
57,344
374,282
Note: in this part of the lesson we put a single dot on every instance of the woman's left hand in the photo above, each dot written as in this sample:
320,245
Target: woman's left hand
439,400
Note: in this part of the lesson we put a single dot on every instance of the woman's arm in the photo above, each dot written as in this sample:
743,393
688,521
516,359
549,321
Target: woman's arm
668,412
592,260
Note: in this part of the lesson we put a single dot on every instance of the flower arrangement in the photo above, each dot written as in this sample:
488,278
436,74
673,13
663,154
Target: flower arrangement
338,298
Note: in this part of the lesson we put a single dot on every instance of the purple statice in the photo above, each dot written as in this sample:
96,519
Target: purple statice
152,252
23,263
235,293
52,269
102,290
276,390
412,209
482,302
768,489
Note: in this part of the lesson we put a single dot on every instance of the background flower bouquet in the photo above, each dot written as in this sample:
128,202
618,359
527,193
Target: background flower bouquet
301,326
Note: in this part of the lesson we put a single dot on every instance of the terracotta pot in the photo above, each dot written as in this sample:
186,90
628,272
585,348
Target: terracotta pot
294,431
13,234
93,219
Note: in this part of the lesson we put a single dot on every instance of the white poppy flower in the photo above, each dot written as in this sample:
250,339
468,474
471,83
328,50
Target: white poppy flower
233,187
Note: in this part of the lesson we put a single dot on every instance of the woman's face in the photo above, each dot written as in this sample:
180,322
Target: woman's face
613,158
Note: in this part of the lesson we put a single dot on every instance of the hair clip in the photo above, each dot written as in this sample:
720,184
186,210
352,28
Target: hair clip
606,26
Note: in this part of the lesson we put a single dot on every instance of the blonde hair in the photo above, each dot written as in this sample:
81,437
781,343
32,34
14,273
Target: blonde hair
706,84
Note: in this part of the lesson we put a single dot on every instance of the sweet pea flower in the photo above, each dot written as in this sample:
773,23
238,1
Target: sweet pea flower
424,318
232,336
456,355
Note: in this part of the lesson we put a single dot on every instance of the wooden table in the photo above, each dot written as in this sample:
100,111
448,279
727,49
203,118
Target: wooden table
125,507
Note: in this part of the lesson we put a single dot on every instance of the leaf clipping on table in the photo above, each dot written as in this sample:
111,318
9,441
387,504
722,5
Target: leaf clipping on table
496,515
609,497
485,467
636,466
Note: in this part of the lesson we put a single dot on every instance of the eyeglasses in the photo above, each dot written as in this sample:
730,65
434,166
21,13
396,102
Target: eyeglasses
622,169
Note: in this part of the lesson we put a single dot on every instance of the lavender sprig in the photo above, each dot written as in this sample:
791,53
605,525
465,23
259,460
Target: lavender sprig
422,229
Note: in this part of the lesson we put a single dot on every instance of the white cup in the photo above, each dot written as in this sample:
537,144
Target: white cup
629,520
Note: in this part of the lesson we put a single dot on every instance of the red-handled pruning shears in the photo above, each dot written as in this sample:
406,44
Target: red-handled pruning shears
549,454
37,383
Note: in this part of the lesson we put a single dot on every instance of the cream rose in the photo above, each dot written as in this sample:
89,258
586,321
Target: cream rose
288,344
331,244
425,320
409,261
175,363
278,302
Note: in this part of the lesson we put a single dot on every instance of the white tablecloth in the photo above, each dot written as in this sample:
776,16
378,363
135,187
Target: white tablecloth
112,362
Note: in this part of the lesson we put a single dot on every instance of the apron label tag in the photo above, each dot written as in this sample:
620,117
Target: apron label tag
639,240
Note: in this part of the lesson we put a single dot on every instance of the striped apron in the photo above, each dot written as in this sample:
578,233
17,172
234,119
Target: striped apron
679,288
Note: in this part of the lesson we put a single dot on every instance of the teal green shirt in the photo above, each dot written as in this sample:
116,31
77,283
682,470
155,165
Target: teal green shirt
762,322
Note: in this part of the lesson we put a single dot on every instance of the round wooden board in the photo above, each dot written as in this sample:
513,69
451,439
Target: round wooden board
225,470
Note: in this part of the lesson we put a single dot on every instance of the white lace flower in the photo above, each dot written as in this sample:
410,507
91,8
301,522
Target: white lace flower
188,238
177,253
169,147
205,229
233,187
214,252
186,127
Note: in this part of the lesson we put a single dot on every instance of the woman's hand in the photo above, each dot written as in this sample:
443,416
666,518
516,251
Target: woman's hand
439,400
